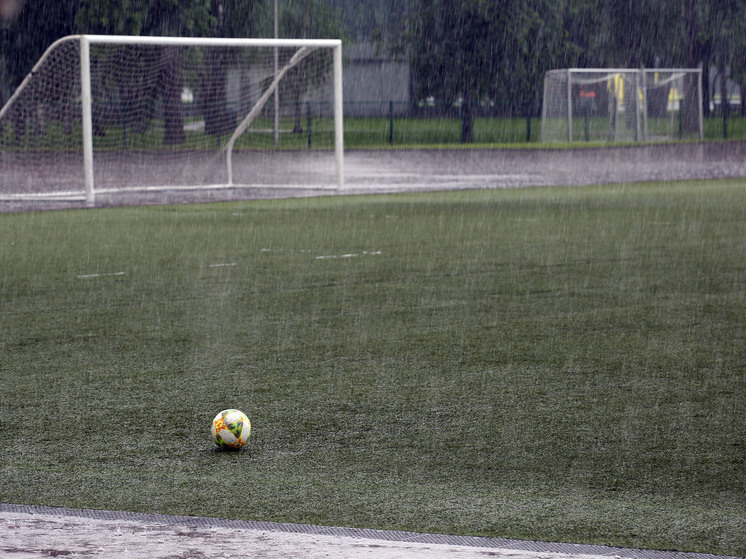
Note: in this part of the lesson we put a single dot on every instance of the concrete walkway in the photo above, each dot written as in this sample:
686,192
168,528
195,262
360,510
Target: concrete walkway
35,531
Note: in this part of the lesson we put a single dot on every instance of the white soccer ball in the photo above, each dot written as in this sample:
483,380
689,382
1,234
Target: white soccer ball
231,428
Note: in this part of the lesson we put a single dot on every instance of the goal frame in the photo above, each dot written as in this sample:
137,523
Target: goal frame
640,104
86,41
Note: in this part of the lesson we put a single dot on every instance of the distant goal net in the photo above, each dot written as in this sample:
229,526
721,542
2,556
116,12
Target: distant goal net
104,114
621,105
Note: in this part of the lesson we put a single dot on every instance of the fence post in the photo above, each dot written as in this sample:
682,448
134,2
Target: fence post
528,121
391,123
587,123
725,105
681,121
308,122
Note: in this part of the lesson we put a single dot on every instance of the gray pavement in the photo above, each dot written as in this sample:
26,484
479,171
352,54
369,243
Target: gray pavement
387,171
28,531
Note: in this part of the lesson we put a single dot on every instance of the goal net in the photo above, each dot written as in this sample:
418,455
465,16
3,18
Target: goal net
106,114
618,105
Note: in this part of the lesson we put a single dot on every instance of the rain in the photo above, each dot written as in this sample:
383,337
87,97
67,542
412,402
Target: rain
473,270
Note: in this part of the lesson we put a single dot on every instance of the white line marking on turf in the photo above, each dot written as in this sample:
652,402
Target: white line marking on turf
223,265
459,176
86,276
351,255
184,187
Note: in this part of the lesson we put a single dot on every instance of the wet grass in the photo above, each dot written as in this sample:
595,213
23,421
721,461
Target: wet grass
558,364
366,133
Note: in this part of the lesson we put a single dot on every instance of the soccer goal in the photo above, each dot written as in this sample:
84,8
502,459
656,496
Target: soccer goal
105,114
618,105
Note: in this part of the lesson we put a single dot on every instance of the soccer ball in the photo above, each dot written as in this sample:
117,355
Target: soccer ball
231,428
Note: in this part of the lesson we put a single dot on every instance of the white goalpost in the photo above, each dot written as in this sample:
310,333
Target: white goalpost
104,114
622,104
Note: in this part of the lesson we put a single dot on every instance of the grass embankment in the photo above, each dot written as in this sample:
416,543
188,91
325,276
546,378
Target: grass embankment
556,364
374,133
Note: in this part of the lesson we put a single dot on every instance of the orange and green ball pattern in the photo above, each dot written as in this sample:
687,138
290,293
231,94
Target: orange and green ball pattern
231,428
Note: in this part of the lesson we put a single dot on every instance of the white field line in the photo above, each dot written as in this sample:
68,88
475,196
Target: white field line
384,182
77,195
87,276
213,187
456,176
350,255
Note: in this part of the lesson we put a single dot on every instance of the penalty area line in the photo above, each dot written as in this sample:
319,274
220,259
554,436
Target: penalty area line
88,276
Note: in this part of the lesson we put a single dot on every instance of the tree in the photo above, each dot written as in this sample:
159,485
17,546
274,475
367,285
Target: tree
28,31
475,50
637,33
307,19
722,34
186,18
370,20
151,17
229,18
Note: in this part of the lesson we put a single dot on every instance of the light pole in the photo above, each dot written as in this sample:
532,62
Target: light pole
277,94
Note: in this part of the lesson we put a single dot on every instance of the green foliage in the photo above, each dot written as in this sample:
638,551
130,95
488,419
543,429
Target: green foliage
307,19
24,40
196,18
482,50
243,18
145,17
473,50
563,364
464,49
366,20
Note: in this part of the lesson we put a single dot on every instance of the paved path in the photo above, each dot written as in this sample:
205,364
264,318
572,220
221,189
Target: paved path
34,531
380,171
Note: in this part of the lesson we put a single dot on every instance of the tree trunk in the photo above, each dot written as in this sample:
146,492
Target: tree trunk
299,78
468,109
218,121
138,96
705,84
724,103
172,120
693,58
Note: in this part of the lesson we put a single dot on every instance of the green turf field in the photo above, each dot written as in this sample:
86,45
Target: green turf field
560,364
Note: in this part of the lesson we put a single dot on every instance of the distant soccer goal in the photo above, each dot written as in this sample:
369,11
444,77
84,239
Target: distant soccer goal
618,105
100,114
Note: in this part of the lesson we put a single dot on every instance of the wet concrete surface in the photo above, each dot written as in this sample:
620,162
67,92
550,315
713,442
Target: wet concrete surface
304,174
28,532
543,167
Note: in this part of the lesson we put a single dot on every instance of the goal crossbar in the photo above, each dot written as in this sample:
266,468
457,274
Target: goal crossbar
86,95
